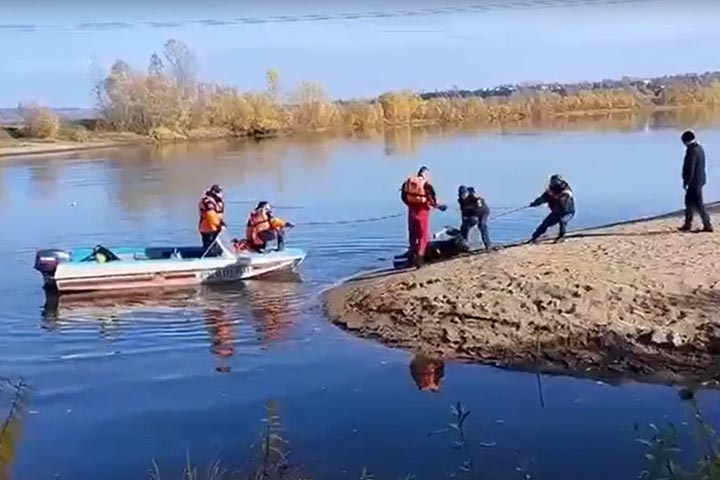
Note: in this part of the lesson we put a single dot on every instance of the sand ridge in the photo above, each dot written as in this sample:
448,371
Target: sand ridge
641,299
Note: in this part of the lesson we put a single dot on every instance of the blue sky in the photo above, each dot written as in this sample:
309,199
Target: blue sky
57,62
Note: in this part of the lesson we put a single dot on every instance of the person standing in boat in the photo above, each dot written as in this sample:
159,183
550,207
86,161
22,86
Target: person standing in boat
559,198
418,194
212,217
263,227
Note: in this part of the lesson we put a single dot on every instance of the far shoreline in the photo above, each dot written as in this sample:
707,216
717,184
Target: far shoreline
609,119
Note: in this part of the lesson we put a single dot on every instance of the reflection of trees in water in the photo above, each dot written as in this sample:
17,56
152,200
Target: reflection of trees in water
44,178
407,141
686,118
172,177
402,140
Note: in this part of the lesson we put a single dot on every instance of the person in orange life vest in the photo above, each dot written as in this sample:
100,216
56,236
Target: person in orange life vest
427,372
419,195
221,330
212,213
263,227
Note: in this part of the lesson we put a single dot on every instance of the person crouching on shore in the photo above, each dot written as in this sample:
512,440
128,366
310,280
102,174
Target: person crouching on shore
560,200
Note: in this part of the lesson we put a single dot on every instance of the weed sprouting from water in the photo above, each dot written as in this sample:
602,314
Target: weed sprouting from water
268,459
662,450
661,454
11,426
457,426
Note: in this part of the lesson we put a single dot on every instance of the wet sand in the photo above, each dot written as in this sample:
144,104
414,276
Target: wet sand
639,299
30,147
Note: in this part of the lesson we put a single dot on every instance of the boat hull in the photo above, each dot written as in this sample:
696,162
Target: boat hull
91,277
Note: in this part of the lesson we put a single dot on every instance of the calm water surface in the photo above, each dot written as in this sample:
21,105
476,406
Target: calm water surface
119,382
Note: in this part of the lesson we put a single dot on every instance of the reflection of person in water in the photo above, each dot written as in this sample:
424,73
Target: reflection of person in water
273,309
427,372
222,336
273,320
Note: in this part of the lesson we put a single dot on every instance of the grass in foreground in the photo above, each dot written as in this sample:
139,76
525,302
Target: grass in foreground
660,450
270,458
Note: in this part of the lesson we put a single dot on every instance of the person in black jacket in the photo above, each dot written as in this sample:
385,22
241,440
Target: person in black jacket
474,212
694,178
559,198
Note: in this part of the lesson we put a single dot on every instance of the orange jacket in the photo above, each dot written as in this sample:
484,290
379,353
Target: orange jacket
417,192
212,212
260,221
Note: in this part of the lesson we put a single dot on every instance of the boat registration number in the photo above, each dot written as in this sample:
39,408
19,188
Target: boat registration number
227,273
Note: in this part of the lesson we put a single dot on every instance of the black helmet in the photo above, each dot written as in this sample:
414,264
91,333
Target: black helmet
462,189
216,189
556,179
688,136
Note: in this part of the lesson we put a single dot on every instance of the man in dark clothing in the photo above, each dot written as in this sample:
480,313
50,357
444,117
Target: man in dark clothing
559,198
474,212
694,178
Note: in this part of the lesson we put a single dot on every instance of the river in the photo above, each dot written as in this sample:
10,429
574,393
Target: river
118,383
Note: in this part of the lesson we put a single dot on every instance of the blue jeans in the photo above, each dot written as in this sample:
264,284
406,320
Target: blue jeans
550,221
481,222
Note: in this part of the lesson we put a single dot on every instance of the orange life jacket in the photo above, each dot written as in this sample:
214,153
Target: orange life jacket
211,212
258,222
414,189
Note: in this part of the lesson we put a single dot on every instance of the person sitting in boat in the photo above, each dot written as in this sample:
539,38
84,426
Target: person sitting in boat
212,212
263,227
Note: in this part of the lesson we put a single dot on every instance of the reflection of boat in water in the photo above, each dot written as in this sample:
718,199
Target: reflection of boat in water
111,305
252,314
126,268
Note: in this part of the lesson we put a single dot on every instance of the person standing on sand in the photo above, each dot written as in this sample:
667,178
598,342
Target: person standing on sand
474,212
693,175
419,195
560,200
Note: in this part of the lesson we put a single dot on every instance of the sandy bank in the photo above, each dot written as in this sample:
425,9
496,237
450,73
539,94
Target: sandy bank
639,299
27,147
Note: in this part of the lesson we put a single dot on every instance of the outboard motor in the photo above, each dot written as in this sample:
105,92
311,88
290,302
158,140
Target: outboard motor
47,261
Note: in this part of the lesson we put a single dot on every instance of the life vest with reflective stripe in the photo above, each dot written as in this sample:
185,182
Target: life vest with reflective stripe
564,192
258,222
211,212
414,190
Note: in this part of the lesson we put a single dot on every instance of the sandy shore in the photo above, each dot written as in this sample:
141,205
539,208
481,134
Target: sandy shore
17,148
639,299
